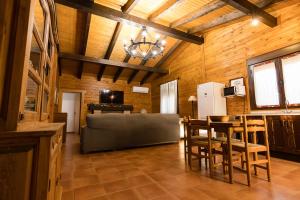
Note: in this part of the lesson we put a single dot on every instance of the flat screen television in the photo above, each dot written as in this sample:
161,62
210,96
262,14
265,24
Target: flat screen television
114,97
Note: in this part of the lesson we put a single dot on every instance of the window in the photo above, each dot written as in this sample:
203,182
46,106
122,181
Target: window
168,97
275,83
266,92
291,72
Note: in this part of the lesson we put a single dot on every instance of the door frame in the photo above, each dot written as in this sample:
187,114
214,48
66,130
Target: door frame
60,99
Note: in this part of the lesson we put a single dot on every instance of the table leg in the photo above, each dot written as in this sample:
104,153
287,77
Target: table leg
230,167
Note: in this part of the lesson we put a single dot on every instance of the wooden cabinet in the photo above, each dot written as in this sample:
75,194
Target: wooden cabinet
31,163
284,133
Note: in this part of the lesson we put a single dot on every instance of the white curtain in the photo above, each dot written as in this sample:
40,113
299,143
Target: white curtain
291,71
265,84
168,97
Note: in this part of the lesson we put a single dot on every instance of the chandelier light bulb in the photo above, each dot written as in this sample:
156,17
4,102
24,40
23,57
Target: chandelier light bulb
133,51
157,36
162,48
125,42
163,42
144,33
144,53
254,22
154,52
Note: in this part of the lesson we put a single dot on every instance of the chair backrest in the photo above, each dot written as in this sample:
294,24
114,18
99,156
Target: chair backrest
196,125
254,125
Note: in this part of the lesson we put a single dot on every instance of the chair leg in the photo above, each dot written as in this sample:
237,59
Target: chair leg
206,159
248,168
200,158
255,158
268,166
190,156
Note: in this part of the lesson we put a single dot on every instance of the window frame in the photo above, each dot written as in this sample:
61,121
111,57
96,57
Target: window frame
274,56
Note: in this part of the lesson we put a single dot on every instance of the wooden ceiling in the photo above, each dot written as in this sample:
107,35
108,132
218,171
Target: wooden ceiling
91,34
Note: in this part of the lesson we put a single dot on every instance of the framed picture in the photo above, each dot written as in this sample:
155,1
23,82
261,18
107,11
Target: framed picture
237,82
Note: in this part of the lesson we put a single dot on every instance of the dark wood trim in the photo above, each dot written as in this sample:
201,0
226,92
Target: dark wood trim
85,35
168,5
235,15
129,5
59,67
210,7
274,54
251,9
119,16
110,62
110,48
132,76
146,77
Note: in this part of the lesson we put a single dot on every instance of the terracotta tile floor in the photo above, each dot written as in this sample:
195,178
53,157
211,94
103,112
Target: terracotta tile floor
159,173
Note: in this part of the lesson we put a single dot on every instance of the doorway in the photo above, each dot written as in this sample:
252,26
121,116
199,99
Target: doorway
71,105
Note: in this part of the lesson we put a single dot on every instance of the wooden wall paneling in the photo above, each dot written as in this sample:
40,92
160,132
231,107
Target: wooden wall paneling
92,87
224,54
165,7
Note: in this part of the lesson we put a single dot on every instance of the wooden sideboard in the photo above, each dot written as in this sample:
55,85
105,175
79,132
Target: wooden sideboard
31,162
61,117
284,133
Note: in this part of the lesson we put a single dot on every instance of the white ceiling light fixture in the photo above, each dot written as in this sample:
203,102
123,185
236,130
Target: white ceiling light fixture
147,47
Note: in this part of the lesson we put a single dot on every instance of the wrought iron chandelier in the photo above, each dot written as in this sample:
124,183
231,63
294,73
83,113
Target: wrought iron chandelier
145,48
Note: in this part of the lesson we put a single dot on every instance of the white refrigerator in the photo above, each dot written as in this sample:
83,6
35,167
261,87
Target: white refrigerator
210,100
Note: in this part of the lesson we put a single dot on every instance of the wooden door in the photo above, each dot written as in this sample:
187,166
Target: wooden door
296,131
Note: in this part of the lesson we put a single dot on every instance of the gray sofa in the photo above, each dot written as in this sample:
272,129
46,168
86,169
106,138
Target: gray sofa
113,131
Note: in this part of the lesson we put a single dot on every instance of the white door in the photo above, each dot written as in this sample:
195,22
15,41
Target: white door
71,105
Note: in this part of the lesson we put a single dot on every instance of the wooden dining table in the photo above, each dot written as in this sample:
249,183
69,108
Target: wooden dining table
228,129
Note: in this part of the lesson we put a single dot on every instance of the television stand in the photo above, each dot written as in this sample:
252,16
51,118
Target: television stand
109,108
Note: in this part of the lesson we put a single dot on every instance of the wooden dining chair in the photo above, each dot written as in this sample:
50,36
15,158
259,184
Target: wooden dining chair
254,125
195,135
206,146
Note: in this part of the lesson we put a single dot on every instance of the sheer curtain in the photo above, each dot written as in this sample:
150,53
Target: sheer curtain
291,71
168,97
265,83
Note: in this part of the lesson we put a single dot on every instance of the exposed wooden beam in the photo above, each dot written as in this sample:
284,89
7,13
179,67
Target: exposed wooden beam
228,17
110,62
165,7
116,15
251,9
59,67
129,5
85,35
110,48
146,77
210,7
132,76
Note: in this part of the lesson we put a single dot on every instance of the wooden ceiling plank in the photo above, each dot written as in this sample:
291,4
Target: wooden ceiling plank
168,54
210,7
116,15
251,9
228,17
165,7
79,57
